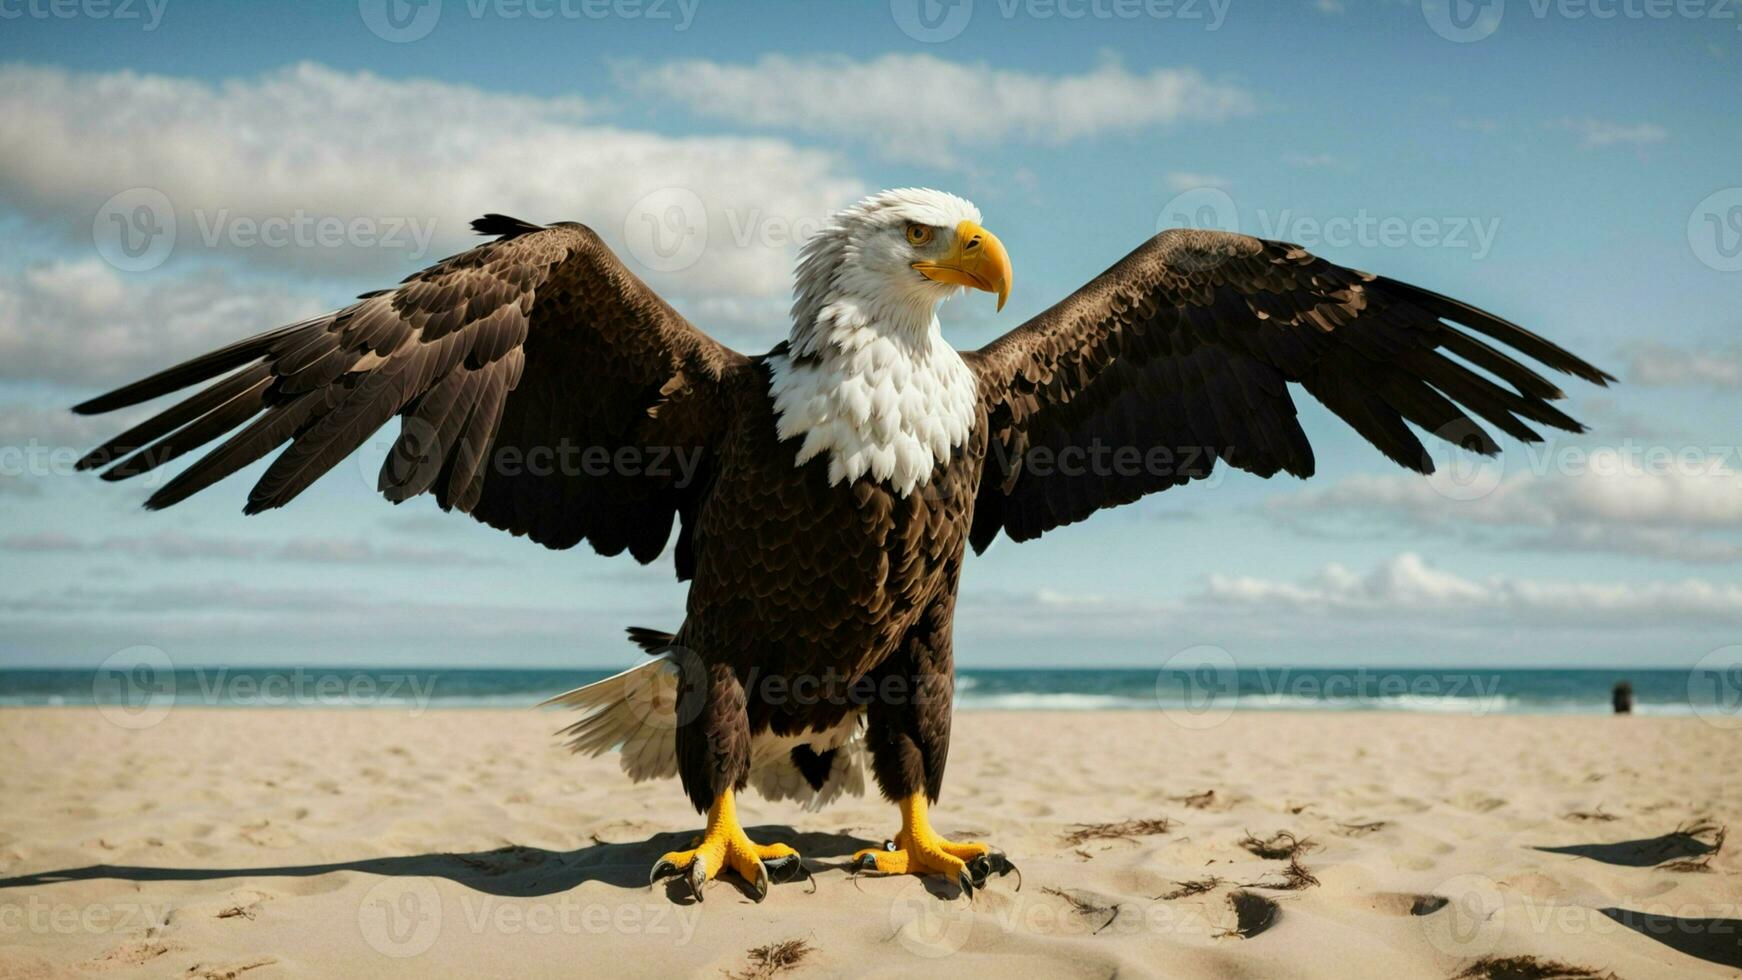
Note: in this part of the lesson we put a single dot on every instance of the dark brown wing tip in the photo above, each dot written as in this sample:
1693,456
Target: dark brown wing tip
1586,372
1503,330
503,225
650,640
127,396
96,459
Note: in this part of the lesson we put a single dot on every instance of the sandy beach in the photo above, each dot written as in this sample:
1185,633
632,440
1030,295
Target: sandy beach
264,843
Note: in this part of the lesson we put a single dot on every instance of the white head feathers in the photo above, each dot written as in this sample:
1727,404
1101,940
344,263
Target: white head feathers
868,377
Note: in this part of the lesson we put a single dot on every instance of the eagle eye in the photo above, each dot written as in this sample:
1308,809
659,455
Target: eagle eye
918,234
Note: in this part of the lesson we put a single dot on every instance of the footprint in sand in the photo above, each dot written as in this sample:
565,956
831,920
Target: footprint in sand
1253,914
1414,862
1401,903
131,954
229,971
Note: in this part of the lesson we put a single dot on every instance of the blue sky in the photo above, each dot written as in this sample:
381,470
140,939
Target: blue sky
1574,172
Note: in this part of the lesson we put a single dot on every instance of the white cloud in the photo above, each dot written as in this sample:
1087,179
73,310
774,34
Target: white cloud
183,546
1646,542
923,108
308,142
1405,581
220,610
1186,181
1407,588
82,322
1597,133
1662,365
1403,604
1676,506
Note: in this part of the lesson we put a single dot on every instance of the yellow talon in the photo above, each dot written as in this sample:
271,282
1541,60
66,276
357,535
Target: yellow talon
725,845
919,850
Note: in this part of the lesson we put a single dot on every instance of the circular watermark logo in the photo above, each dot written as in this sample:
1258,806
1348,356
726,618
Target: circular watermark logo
1470,922
667,230
932,21
134,231
1715,230
1463,21
1198,687
400,21
672,696
134,688
928,927
1715,687
400,455
1203,208
401,917
1460,471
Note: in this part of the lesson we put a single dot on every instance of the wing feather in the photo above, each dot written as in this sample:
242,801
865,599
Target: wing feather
1185,351
161,424
234,410
538,342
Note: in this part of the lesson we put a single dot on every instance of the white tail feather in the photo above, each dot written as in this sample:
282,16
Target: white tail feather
635,712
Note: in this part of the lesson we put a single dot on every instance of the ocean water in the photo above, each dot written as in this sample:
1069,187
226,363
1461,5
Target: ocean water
143,685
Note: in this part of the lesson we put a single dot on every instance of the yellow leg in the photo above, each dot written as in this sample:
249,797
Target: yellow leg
724,845
920,851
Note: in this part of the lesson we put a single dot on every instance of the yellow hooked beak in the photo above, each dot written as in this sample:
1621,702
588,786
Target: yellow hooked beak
978,260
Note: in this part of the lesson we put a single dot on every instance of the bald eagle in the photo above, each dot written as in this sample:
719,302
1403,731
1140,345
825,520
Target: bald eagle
839,479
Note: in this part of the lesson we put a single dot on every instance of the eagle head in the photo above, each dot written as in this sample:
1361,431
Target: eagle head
896,255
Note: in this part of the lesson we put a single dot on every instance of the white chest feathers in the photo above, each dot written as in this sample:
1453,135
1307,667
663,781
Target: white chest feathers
892,408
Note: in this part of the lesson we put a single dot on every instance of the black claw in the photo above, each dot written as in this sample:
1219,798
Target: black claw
780,866
966,883
698,877
760,885
664,869
993,863
978,869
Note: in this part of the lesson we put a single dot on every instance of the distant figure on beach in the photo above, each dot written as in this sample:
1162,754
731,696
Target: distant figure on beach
1623,698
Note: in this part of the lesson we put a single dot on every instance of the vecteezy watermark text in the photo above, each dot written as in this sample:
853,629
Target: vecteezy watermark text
1214,209
137,229
301,229
1202,686
1466,21
149,13
402,21
139,686
405,917
937,21
35,915
676,463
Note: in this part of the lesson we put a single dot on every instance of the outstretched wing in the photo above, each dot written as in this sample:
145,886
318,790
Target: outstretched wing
541,387
1181,354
